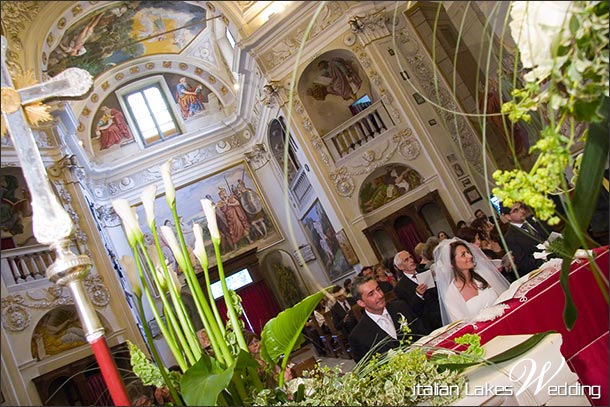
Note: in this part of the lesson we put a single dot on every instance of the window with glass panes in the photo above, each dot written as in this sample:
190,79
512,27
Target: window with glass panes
151,114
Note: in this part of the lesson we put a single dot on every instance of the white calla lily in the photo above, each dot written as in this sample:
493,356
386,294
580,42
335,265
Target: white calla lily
130,221
132,275
535,27
210,216
148,201
172,242
170,191
199,249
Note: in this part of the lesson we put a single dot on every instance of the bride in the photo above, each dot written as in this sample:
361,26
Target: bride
467,281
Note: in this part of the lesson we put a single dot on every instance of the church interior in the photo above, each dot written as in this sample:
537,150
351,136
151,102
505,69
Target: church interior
330,135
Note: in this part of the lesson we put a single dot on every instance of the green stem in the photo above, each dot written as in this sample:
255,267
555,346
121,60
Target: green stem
229,299
169,312
219,345
155,354
168,338
179,308
208,285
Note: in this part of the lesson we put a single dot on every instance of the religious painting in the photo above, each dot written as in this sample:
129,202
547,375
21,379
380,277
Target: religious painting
191,97
58,330
111,130
16,221
336,76
324,240
124,31
346,248
385,184
243,217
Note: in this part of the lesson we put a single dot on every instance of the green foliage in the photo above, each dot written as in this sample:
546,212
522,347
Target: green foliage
282,334
147,371
202,383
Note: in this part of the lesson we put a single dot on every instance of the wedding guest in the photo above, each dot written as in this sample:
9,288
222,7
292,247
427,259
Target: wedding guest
341,312
383,279
467,281
379,327
423,300
442,235
522,237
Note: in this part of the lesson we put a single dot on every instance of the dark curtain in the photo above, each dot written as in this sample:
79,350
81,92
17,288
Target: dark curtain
408,236
258,304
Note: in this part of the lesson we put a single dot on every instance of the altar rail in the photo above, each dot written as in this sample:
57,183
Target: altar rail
25,264
359,130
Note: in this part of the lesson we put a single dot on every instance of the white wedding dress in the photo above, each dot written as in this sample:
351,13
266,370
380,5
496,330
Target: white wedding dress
452,304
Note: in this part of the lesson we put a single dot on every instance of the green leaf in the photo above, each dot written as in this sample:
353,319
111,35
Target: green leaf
508,354
204,381
283,333
584,200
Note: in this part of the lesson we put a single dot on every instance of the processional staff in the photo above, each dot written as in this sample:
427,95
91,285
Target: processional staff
51,223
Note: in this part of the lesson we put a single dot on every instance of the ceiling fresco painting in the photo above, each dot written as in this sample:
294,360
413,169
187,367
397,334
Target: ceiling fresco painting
124,31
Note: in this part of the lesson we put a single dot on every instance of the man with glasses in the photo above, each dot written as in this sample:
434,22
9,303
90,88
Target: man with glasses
522,237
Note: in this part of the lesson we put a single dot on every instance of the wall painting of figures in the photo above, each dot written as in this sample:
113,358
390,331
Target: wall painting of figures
386,184
323,237
244,219
126,30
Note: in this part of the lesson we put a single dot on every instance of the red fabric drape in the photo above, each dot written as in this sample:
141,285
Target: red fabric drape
585,347
409,237
258,303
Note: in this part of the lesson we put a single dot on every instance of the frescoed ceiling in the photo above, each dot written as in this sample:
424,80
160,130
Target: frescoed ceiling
121,32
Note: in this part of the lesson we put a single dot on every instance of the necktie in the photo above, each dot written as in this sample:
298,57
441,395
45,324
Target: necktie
345,307
529,229
387,325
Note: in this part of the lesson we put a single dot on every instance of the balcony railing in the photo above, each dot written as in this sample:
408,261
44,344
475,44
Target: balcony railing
25,264
359,130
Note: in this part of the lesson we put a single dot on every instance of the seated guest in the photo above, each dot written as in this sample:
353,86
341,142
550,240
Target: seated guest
461,224
367,271
383,281
341,312
347,284
467,280
423,261
380,321
388,276
423,300
442,235
522,237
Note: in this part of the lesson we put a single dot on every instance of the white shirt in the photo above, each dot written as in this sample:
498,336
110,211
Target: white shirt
385,322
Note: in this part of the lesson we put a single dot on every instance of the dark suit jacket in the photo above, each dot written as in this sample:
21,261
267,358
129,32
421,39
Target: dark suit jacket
427,309
523,245
367,333
337,314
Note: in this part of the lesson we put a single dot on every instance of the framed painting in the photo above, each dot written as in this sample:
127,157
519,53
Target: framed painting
346,248
244,219
324,239
472,194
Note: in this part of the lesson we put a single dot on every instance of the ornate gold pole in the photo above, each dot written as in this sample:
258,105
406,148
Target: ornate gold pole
51,223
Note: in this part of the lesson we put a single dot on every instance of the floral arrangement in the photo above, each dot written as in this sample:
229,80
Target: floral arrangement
563,47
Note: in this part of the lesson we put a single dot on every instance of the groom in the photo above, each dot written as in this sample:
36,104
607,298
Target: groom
379,327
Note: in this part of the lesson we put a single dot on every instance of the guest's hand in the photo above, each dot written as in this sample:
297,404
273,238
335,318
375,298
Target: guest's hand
421,289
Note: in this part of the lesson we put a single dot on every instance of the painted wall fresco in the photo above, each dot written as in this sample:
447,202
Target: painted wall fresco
330,85
111,128
15,209
124,31
244,219
386,184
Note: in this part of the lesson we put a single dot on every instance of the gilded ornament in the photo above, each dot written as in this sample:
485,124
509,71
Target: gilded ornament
61,23
150,65
224,90
76,10
212,79
105,85
95,98
50,39
134,70
11,101
183,66
167,64
119,76
86,111
198,71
